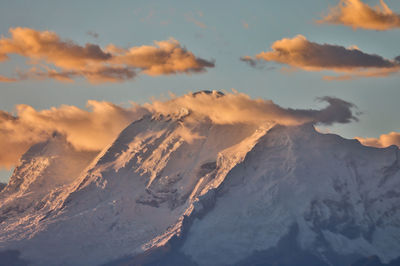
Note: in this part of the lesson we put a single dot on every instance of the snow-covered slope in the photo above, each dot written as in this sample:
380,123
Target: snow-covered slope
342,197
44,170
182,188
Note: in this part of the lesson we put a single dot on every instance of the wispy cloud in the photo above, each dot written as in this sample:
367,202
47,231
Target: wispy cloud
301,53
356,14
93,34
245,24
190,17
149,16
53,57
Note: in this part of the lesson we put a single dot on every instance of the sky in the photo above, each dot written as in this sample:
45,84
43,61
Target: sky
249,46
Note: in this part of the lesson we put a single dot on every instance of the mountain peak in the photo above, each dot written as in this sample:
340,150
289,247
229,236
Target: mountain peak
45,167
209,92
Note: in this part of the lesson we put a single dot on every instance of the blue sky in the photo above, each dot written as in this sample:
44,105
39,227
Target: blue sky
225,31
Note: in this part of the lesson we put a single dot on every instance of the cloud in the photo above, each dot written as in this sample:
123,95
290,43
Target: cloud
47,46
299,52
85,129
166,57
95,75
150,15
191,18
65,60
93,34
240,108
7,79
93,129
384,140
249,60
356,14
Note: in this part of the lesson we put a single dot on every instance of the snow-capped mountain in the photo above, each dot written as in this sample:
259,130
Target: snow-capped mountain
180,189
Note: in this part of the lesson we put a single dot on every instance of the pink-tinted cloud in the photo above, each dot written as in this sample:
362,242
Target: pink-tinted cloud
65,60
166,57
301,53
384,140
240,108
47,46
356,14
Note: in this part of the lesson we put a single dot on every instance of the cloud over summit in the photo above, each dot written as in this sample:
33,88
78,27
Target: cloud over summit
234,108
95,128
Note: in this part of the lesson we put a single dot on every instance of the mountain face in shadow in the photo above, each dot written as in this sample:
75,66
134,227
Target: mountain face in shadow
2,186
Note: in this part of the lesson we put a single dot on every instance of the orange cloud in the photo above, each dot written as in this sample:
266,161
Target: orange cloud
47,46
166,57
384,140
93,129
66,60
87,130
299,52
240,108
6,79
356,14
